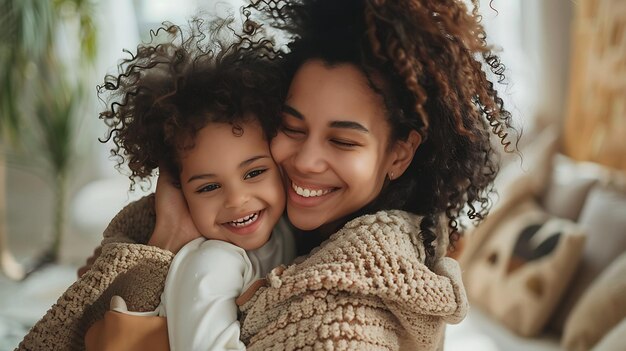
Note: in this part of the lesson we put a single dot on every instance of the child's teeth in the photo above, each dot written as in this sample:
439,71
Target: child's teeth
242,222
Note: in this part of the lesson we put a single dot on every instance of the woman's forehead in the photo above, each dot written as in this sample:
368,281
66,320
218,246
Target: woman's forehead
340,90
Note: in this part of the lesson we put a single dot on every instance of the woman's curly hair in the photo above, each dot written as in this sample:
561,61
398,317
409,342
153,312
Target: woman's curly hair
430,56
174,86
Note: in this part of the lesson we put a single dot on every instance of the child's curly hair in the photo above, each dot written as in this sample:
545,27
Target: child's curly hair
430,56
166,92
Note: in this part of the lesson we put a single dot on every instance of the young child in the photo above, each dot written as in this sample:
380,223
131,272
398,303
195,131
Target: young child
205,118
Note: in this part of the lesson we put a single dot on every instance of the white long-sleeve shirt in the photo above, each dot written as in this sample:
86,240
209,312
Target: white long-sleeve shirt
204,279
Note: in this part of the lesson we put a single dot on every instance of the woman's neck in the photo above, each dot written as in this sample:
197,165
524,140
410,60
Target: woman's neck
326,230
308,240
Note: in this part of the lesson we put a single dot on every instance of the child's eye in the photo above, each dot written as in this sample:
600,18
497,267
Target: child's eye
207,188
255,173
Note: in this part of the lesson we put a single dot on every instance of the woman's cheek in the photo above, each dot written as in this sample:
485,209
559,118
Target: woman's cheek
358,164
280,148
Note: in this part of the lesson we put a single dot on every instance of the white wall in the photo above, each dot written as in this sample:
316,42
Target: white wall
535,42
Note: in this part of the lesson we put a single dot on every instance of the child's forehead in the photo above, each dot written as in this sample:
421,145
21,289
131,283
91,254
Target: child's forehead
237,121
237,128
228,137
221,149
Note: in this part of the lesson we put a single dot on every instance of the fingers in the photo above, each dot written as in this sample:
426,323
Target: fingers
165,177
174,225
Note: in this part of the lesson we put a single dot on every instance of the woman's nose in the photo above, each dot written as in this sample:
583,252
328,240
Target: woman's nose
309,158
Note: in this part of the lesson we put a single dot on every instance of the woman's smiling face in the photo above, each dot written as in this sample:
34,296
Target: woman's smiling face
333,147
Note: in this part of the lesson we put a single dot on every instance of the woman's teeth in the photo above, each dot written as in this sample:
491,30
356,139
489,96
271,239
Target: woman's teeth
309,192
244,221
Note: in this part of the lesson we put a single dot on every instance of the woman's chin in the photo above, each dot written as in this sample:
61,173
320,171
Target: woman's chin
324,226
304,221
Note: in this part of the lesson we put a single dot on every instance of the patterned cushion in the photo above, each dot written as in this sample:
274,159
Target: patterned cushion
604,218
601,307
522,270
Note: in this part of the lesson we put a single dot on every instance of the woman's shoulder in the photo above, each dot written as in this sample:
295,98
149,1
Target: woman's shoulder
134,223
376,256
394,232
366,244
396,221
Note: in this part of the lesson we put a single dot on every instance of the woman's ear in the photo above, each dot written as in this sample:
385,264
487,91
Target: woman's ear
403,152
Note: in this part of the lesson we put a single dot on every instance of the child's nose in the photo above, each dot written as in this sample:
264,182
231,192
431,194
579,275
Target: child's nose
236,199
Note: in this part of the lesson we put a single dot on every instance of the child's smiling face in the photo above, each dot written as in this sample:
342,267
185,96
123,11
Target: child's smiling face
232,186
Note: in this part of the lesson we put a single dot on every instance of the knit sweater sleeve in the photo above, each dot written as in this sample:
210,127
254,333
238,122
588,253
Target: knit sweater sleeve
126,268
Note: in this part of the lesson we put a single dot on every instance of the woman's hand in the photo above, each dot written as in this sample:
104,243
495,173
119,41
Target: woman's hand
174,227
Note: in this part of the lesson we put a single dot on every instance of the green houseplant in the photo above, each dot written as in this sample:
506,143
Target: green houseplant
27,31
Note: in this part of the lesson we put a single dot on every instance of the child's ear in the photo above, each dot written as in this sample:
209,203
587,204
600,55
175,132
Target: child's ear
402,154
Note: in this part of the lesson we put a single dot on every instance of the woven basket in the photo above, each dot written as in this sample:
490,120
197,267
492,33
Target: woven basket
595,127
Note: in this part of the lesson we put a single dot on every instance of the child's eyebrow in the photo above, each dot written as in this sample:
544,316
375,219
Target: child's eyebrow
252,159
241,165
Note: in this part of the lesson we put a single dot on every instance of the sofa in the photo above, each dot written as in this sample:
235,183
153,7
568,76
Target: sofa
546,270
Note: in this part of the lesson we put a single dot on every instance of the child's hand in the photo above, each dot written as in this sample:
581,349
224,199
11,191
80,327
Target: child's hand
174,227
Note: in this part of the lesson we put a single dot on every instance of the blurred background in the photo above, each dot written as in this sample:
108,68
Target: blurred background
566,73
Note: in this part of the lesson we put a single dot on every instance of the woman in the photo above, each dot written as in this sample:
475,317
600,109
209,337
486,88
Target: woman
385,142
387,109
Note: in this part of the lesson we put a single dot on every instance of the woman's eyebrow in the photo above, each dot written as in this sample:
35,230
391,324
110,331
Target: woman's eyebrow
334,124
292,111
349,125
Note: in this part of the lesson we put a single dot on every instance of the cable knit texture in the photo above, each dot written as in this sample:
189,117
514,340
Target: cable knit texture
365,288
124,268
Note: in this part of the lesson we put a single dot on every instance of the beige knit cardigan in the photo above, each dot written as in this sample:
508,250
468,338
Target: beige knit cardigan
366,288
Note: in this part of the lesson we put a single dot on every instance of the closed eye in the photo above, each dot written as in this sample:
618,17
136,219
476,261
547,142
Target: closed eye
291,131
255,173
344,143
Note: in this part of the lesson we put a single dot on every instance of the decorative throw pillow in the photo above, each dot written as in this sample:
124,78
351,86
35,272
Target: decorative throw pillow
568,187
602,307
613,340
520,273
604,218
